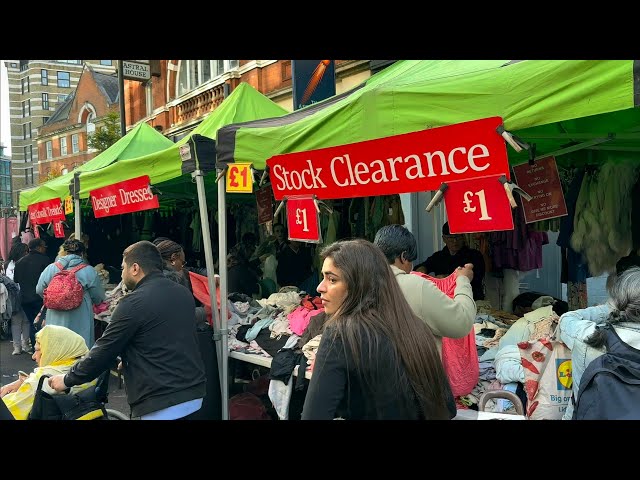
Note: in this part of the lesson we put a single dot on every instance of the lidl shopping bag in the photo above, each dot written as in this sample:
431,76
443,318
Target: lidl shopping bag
547,373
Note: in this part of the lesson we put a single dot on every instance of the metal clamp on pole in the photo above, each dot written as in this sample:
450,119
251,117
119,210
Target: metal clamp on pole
222,173
437,198
511,187
516,142
325,206
280,207
264,176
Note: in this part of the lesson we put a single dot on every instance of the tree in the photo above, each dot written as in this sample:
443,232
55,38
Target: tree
107,133
54,172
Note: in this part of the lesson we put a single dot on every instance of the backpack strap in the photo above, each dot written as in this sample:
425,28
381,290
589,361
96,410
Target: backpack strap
79,267
59,265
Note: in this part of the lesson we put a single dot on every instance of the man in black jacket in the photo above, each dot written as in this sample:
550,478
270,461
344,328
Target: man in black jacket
154,330
26,274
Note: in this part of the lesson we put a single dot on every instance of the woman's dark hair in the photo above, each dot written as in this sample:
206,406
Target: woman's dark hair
157,240
73,246
18,251
167,248
394,240
624,298
145,254
376,309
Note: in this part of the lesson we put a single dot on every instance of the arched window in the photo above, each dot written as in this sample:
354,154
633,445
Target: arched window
91,127
194,73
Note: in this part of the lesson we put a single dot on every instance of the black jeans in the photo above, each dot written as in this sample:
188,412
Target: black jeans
31,310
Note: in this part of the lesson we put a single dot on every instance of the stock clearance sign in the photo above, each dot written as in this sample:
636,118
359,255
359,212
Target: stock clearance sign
123,197
411,162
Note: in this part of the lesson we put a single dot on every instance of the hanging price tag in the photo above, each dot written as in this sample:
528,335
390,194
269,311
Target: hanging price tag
68,205
477,205
58,230
303,220
239,178
36,230
264,204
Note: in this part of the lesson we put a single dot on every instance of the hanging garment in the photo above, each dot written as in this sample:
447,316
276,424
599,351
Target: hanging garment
459,355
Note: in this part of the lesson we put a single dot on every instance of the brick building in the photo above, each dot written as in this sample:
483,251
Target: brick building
36,89
62,140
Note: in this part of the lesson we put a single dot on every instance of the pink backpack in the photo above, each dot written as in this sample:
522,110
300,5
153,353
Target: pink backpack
64,292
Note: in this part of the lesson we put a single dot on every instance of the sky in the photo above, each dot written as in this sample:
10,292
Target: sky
5,131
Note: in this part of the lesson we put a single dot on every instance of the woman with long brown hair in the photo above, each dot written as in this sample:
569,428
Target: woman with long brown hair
376,359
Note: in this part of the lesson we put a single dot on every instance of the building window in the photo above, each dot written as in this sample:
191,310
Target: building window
194,73
72,62
45,120
26,130
148,91
63,146
49,147
31,153
45,101
75,147
25,149
26,108
25,85
62,98
107,63
64,80
44,77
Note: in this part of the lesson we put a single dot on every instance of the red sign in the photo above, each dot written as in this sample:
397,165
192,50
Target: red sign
58,230
478,205
264,204
123,197
302,219
46,212
411,162
542,182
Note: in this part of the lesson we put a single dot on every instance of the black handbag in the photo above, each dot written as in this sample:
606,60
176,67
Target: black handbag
83,405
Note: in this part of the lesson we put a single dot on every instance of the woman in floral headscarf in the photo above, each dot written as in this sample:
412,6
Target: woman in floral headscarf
57,349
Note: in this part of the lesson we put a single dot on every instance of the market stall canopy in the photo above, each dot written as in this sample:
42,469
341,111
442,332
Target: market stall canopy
244,104
141,140
560,105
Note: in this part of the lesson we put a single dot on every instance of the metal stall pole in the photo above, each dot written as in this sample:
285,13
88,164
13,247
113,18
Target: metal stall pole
208,258
76,205
224,331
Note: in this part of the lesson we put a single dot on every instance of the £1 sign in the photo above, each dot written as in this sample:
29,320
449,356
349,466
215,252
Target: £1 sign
239,178
302,219
477,205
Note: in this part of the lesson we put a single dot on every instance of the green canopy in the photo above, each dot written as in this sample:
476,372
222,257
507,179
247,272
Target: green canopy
560,105
165,166
140,140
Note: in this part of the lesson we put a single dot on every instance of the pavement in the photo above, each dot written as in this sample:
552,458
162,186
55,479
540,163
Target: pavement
10,364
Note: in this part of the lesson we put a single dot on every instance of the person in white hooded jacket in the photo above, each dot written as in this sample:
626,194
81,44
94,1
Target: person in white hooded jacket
577,329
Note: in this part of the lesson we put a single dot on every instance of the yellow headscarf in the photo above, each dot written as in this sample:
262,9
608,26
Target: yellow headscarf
59,345
60,349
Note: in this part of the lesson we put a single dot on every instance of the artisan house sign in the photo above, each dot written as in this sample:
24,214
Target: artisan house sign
136,70
411,162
